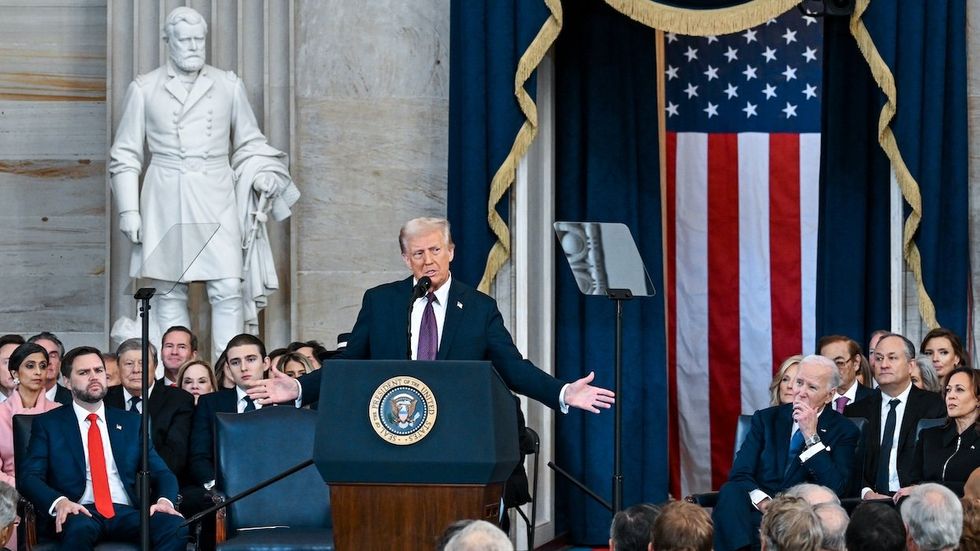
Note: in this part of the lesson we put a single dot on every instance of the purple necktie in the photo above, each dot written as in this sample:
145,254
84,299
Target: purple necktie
428,332
840,403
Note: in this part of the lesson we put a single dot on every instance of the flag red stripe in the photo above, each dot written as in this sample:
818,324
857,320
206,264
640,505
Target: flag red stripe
670,213
784,246
724,372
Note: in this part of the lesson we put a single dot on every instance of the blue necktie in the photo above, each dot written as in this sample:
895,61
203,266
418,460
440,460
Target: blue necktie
249,404
795,445
428,332
885,451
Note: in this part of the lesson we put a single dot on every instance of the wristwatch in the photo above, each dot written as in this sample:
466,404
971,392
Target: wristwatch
812,441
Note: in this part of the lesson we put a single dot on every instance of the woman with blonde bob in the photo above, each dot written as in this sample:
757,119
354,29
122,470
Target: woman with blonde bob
197,377
781,387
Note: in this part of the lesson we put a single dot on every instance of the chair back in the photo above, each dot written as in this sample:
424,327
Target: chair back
927,424
860,453
22,437
741,431
255,446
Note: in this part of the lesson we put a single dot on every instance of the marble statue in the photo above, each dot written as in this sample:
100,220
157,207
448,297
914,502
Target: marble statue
210,170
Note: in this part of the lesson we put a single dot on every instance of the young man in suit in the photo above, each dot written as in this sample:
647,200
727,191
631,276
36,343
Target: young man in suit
893,413
452,321
803,441
82,463
171,409
846,355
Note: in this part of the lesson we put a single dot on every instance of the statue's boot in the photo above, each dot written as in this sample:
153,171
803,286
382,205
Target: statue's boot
227,312
170,306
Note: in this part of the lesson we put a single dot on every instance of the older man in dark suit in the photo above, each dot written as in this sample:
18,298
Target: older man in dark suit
82,463
170,409
893,413
450,321
803,441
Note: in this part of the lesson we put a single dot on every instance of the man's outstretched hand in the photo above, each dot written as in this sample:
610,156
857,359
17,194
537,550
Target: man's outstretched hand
275,390
583,395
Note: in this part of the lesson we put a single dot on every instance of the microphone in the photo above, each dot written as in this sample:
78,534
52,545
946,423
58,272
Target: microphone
421,288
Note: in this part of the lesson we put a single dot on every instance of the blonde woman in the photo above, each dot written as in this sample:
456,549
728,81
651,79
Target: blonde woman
781,387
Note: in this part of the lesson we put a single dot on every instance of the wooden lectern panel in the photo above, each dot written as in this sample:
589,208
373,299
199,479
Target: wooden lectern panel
407,517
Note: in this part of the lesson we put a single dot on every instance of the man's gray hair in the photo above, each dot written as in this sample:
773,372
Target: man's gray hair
826,362
814,494
185,14
934,517
833,522
129,345
421,226
909,346
480,535
8,504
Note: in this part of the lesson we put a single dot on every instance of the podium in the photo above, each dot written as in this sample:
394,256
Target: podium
408,447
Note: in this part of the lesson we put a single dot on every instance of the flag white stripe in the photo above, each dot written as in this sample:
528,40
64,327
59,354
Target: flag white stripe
809,218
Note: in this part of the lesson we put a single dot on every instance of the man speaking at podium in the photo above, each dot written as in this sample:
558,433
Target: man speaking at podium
449,321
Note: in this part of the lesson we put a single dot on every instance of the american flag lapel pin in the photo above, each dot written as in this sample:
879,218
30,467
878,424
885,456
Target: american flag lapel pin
118,427
459,305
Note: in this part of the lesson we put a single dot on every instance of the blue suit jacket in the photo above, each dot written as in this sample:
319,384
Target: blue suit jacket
763,460
473,330
201,460
55,464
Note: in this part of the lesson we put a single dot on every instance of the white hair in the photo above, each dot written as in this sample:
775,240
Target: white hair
8,504
827,363
811,493
480,535
185,14
934,517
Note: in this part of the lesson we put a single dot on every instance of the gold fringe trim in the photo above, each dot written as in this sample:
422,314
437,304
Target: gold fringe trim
910,188
503,179
706,22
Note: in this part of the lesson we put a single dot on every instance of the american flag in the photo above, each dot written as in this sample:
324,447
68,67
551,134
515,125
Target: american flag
743,158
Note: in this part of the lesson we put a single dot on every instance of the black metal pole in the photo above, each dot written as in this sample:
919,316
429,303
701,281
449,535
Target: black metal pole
618,413
143,476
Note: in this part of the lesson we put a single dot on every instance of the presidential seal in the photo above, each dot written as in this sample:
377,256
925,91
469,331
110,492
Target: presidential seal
402,410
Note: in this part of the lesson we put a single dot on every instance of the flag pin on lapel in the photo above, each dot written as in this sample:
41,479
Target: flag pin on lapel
459,305
823,430
118,427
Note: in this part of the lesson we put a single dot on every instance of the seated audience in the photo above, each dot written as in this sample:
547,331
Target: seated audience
814,494
948,454
790,525
781,387
875,527
8,343
178,346
833,524
313,350
222,374
970,538
632,527
946,351
933,518
924,375
295,365
972,488
111,368
197,377
55,392
28,365
846,355
276,355
480,535
682,526
8,515
804,441
865,376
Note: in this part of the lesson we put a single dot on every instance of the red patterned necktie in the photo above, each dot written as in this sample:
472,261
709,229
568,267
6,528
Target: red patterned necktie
428,332
100,477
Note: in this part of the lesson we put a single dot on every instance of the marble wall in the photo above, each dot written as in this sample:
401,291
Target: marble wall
372,112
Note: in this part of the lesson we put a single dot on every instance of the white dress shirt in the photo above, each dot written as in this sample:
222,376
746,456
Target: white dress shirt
127,396
893,483
850,394
438,308
240,405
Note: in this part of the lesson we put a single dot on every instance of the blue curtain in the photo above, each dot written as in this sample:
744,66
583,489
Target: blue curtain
487,38
606,151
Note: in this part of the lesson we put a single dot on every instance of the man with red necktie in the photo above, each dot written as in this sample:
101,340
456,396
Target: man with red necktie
82,464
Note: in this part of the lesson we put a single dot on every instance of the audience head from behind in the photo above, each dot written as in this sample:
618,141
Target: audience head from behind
945,349
246,358
632,528
781,387
789,524
846,355
479,535
8,511
814,494
682,526
197,378
933,518
833,524
450,531
924,375
875,527
970,538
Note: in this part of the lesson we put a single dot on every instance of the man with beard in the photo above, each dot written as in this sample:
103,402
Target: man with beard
82,462
210,171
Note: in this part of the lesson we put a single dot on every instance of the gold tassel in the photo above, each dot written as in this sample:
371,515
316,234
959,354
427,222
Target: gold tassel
910,188
503,179
706,22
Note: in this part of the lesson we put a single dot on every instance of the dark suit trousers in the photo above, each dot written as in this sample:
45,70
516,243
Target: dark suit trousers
81,533
736,520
